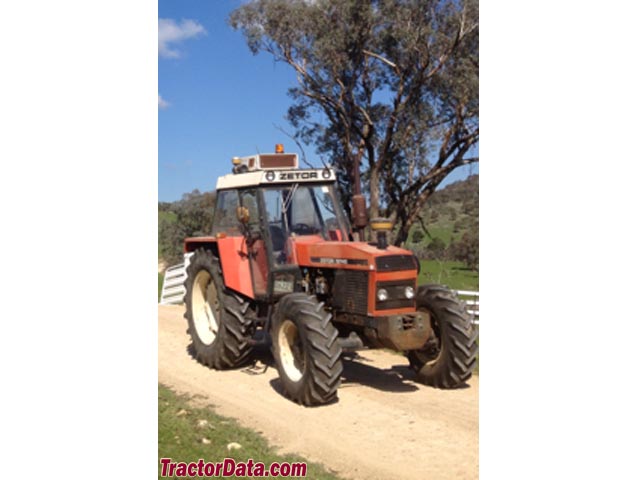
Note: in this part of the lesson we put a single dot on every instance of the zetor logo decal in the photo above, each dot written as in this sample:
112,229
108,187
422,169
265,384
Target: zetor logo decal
297,175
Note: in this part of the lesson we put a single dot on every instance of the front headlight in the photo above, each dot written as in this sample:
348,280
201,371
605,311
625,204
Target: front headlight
382,295
409,292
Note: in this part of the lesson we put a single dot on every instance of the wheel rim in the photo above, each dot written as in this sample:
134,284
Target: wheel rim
204,307
291,352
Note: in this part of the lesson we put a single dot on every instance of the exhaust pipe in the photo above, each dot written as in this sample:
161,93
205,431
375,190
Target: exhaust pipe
359,212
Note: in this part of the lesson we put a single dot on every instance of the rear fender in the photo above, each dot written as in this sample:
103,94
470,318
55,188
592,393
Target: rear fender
208,243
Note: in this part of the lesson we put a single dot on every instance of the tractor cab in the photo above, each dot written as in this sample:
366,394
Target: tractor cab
285,211
263,210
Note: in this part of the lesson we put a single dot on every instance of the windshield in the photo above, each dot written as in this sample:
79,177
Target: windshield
304,210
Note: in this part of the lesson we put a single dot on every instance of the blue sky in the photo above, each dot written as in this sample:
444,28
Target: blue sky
216,99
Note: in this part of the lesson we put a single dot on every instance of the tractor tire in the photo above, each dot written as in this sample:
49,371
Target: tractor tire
448,358
305,347
219,330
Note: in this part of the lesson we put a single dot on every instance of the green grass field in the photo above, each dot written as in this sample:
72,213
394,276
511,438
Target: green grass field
444,233
160,280
452,274
182,428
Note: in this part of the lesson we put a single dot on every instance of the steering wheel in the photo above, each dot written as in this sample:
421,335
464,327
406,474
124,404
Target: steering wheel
303,229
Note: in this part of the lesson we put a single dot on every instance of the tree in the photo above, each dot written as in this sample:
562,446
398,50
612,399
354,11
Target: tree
189,217
466,250
392,81
437,247
417,236
195,213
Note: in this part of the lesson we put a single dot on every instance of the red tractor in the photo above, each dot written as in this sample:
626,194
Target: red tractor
281,264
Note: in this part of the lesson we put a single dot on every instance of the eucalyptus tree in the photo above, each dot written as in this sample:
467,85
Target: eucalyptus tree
391,85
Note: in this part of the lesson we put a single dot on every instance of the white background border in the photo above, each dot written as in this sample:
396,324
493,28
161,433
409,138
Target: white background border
559,261
78,186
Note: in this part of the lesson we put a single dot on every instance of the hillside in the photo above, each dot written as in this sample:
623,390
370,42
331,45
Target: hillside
449,214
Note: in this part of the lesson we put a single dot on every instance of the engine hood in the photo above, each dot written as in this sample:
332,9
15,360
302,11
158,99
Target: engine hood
352,255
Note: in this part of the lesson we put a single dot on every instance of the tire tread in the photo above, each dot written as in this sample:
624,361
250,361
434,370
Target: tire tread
324,368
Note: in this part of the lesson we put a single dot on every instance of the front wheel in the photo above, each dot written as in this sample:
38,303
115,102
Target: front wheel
306,351
448,358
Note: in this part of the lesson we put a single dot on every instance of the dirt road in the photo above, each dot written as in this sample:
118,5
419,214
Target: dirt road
384,426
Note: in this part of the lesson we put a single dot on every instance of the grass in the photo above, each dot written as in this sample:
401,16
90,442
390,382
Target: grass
167,216
181,428
452,274
444,233
160,280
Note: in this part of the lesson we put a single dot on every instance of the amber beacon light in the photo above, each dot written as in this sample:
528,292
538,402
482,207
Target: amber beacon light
279,148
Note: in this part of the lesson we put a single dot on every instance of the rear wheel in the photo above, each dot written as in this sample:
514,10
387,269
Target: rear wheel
306,350
218,326
448,358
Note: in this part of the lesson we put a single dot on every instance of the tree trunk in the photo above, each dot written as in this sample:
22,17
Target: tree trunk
403,232
374,190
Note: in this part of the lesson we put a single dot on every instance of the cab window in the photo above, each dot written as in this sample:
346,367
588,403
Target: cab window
225,219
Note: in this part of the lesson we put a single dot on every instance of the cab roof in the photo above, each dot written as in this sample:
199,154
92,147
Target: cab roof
275,177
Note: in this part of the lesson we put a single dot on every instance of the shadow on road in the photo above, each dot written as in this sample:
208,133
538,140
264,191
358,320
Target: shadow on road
395,379
398,378
276,384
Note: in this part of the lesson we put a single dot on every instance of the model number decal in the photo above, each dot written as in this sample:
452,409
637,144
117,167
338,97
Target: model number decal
338,261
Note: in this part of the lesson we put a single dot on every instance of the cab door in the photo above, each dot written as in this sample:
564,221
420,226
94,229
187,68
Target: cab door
256,243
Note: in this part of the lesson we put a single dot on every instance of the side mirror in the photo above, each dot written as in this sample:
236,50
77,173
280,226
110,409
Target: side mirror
243,215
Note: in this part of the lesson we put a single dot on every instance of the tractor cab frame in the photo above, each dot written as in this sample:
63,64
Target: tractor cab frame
271,218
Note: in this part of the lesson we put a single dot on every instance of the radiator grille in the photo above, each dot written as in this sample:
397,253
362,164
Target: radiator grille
392,263
350,291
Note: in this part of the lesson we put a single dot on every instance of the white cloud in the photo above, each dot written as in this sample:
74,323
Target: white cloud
171,33
162,103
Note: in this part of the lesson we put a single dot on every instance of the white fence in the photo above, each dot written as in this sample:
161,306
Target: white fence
472,299
172,287
173,290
